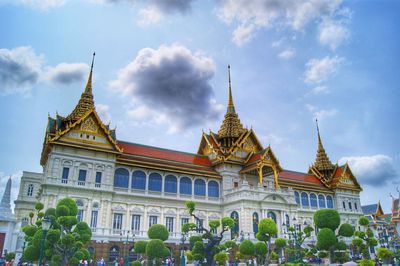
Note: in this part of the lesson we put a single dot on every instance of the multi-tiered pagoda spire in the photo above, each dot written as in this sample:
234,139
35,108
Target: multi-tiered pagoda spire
231,127
322,162
86,102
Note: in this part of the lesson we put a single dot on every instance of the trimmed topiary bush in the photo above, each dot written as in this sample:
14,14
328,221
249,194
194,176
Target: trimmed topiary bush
155,249
363,221
327,218
136,263
246,248
326,239
140,247
158,231
346,230
221,258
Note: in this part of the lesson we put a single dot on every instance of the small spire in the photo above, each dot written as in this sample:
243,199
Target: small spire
231,107
5,205
88,88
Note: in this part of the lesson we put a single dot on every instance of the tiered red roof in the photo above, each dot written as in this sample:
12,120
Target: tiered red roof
296,179
165,159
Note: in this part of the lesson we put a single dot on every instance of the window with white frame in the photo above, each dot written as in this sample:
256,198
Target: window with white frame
117,221
169,223
93,219
79,216
65,174
30,190
152,220
82,177
184,221
98,179
135,222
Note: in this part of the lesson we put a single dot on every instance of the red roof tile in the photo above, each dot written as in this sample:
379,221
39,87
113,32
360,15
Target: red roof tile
159,153
296,176
338,172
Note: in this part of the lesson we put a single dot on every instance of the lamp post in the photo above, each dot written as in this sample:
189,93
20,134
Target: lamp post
183,261
125,242
46,223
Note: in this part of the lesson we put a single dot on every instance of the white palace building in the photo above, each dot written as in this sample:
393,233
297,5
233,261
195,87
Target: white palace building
122,188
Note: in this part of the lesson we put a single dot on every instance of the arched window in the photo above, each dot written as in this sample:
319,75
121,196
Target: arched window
329,202
235,228
121,178
272,215
213,189
255,223
155,182
30,190
321,201
287,220
24,221
313,201
199,187
170,184
185,185
304,199
297,197
113,253
138,180
79,203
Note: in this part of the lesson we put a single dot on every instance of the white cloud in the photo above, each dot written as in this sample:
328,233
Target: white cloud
15,181
286,54
20,69
66,74
318,70
242,34
170,86
374,170
149,16
332,33
321,114
253,15
104,112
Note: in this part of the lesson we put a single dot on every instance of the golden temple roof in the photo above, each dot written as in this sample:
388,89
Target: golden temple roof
86,102
231,126
322,162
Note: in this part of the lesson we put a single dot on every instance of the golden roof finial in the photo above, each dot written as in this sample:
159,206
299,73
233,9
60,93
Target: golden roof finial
86,102
322,162
231,107
88,88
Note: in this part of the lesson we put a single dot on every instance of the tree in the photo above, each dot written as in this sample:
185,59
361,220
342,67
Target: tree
155,248
328,220
297,239
280,243
140,247
246,248
221,258
266,230
64,241
260,249
210,239
385,254
367,238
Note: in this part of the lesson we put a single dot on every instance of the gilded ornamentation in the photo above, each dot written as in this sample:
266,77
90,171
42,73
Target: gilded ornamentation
89,125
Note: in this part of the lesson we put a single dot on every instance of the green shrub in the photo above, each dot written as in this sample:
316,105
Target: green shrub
280,242
194,239
246,248
10,256
384,254
363,221
341,245
155,249
274,256
326,239
327,218
346,230
230,244
70,204
366,262
260,248
322,254
39,206
140,247
136,263
221,258
158,231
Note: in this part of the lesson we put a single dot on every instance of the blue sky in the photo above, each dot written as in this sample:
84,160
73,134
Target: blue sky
160,76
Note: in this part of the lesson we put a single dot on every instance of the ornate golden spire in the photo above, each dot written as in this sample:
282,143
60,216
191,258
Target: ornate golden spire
86,102
231,107
322,162
231,127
